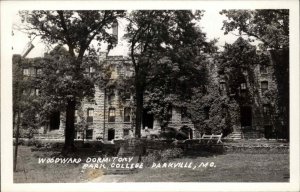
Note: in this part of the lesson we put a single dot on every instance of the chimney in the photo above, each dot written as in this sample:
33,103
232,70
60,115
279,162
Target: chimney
102,56
27,50
115,29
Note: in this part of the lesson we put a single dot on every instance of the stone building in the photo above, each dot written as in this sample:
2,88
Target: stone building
110,116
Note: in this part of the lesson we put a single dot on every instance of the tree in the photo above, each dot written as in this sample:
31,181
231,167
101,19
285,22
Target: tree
26,101
164,48
76,30
271,27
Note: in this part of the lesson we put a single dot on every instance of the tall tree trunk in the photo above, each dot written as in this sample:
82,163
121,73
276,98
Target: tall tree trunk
280,60
17,140
70,128
139,109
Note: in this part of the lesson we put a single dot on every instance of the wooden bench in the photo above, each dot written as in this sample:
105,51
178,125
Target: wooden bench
210,138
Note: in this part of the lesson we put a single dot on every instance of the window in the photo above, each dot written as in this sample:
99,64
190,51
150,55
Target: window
224,111
222,86
127,95
32,72
266,110
90,71
76,116
244,70
125,132
206,112
127,112
26,72
111,95
37,92
264,86
38,71
89,134
90,115
115,29
263,69
112,115
184,117
243,86
169,114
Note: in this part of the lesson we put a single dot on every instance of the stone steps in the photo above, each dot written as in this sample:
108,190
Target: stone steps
236,135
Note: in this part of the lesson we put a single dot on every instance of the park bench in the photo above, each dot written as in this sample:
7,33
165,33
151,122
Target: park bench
212,137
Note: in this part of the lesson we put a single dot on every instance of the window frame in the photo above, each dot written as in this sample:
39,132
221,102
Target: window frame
111,118
90,117
127,118
261,86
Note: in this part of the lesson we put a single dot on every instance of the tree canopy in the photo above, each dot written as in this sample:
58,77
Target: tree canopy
167,51
271,26
76,30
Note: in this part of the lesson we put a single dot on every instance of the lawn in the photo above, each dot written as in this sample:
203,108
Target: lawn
232,167
229,168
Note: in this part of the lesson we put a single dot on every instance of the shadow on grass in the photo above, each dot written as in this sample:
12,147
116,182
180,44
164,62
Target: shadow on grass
204,151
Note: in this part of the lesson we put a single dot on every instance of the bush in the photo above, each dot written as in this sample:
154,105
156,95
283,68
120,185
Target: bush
25,133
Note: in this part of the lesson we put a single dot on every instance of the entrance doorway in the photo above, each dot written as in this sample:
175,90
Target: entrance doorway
187,131
147,119
246,116
111,134
54,120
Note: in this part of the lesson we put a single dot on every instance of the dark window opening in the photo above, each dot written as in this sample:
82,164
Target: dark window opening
26,72
54,120
127,112
125,132
127,95
111,115
169,115
206,112
89,134
184,116
263,69
244,70
264,86
111,134
222,86
147,119
188,132
266,109
269,132
224,111
246,116
111,96
266,113
90,115
243,86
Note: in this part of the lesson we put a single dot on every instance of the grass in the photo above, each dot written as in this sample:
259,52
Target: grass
232,167
30,171
229,168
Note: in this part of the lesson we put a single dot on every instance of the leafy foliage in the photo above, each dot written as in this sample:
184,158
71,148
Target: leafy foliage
76,30
165,49
269,26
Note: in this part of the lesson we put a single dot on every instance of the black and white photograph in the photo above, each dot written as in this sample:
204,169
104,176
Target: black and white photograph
193,94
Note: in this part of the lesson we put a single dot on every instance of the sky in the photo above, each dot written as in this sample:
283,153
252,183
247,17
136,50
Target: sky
211,24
